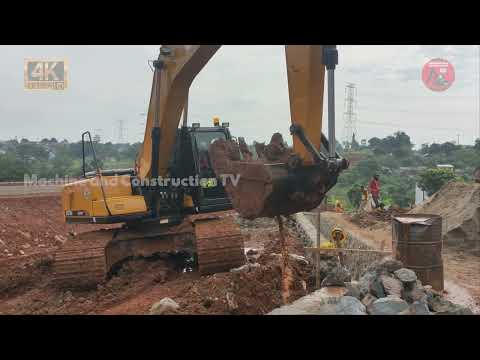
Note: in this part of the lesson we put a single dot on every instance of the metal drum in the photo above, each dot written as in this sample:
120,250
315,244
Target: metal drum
417,243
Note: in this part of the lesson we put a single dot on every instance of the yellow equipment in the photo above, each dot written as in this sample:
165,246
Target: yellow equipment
339,237
161,206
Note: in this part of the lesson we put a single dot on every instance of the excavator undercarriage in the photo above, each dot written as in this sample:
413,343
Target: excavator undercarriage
213,241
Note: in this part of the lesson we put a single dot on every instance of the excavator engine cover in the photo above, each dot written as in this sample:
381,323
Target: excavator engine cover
274,184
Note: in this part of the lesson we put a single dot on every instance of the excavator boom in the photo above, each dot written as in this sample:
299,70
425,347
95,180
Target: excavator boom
174,70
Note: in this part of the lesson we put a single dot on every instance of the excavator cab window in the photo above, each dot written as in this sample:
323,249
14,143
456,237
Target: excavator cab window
211,190
203,141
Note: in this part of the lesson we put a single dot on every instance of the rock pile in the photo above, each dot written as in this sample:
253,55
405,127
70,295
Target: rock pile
385,288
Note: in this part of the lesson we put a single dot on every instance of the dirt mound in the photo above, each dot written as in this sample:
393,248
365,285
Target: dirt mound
30,225
459,205
376,218
26,281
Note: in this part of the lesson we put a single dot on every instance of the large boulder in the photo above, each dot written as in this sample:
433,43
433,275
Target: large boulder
323,303
164,306
417,293
353,289
420,307
407,277
319,302
390,305
368,300
338,276
349,305
386,265
365,282
327,264
391,285
376,288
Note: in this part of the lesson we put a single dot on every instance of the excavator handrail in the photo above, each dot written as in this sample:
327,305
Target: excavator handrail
97,168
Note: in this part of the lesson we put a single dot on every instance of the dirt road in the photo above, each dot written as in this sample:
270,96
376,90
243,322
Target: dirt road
20,189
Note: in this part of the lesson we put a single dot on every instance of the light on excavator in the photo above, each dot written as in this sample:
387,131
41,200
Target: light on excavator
216,121
225,125
195,125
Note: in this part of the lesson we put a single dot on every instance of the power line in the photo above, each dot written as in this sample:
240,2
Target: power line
350,114
120,131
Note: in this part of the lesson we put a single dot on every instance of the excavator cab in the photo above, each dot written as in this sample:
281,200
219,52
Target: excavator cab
192,163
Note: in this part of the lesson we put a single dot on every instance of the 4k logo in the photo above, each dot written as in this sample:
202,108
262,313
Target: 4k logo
45,74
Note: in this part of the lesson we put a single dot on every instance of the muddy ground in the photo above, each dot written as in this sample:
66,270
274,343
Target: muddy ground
26,277
32,229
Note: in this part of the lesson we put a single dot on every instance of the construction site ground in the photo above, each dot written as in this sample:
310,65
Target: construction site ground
32,228
461,267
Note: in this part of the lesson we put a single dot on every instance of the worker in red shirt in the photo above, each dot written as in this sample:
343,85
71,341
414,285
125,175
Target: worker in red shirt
374,188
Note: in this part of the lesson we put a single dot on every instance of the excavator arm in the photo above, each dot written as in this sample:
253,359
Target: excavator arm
177,67
174,70
278,188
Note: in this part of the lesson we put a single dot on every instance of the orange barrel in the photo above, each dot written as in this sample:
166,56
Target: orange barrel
417,243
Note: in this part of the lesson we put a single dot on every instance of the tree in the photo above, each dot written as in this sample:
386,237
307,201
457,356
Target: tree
399,145
355,145
367,168
354,195
431,180
477,145
448,147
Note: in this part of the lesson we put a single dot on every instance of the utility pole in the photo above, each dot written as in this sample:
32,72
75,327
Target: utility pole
97,138
350,114
120,131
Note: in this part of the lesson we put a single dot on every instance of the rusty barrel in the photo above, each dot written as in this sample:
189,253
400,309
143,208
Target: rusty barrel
417,243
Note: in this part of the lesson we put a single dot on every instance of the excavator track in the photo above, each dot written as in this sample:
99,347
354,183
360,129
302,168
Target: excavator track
82,262
88,259
219,244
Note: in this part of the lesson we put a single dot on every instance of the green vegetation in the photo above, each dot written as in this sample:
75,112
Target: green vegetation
49,158
393,158
431,180
400,168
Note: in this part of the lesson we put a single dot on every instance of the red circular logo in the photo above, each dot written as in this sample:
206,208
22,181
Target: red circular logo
438,75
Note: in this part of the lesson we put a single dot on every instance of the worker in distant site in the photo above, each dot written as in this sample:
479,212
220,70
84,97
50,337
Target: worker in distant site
364,191
338,206
374,188
364,198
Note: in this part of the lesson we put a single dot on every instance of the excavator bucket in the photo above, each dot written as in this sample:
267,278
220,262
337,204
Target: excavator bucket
272,183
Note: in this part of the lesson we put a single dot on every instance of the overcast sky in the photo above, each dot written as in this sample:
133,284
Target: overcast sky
244,85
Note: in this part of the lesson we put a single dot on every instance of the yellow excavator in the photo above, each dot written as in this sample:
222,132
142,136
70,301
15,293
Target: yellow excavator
174,200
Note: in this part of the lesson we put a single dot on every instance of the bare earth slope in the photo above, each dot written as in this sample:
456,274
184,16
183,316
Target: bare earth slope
459,205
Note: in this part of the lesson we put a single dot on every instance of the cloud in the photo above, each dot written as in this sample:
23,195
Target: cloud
244,85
